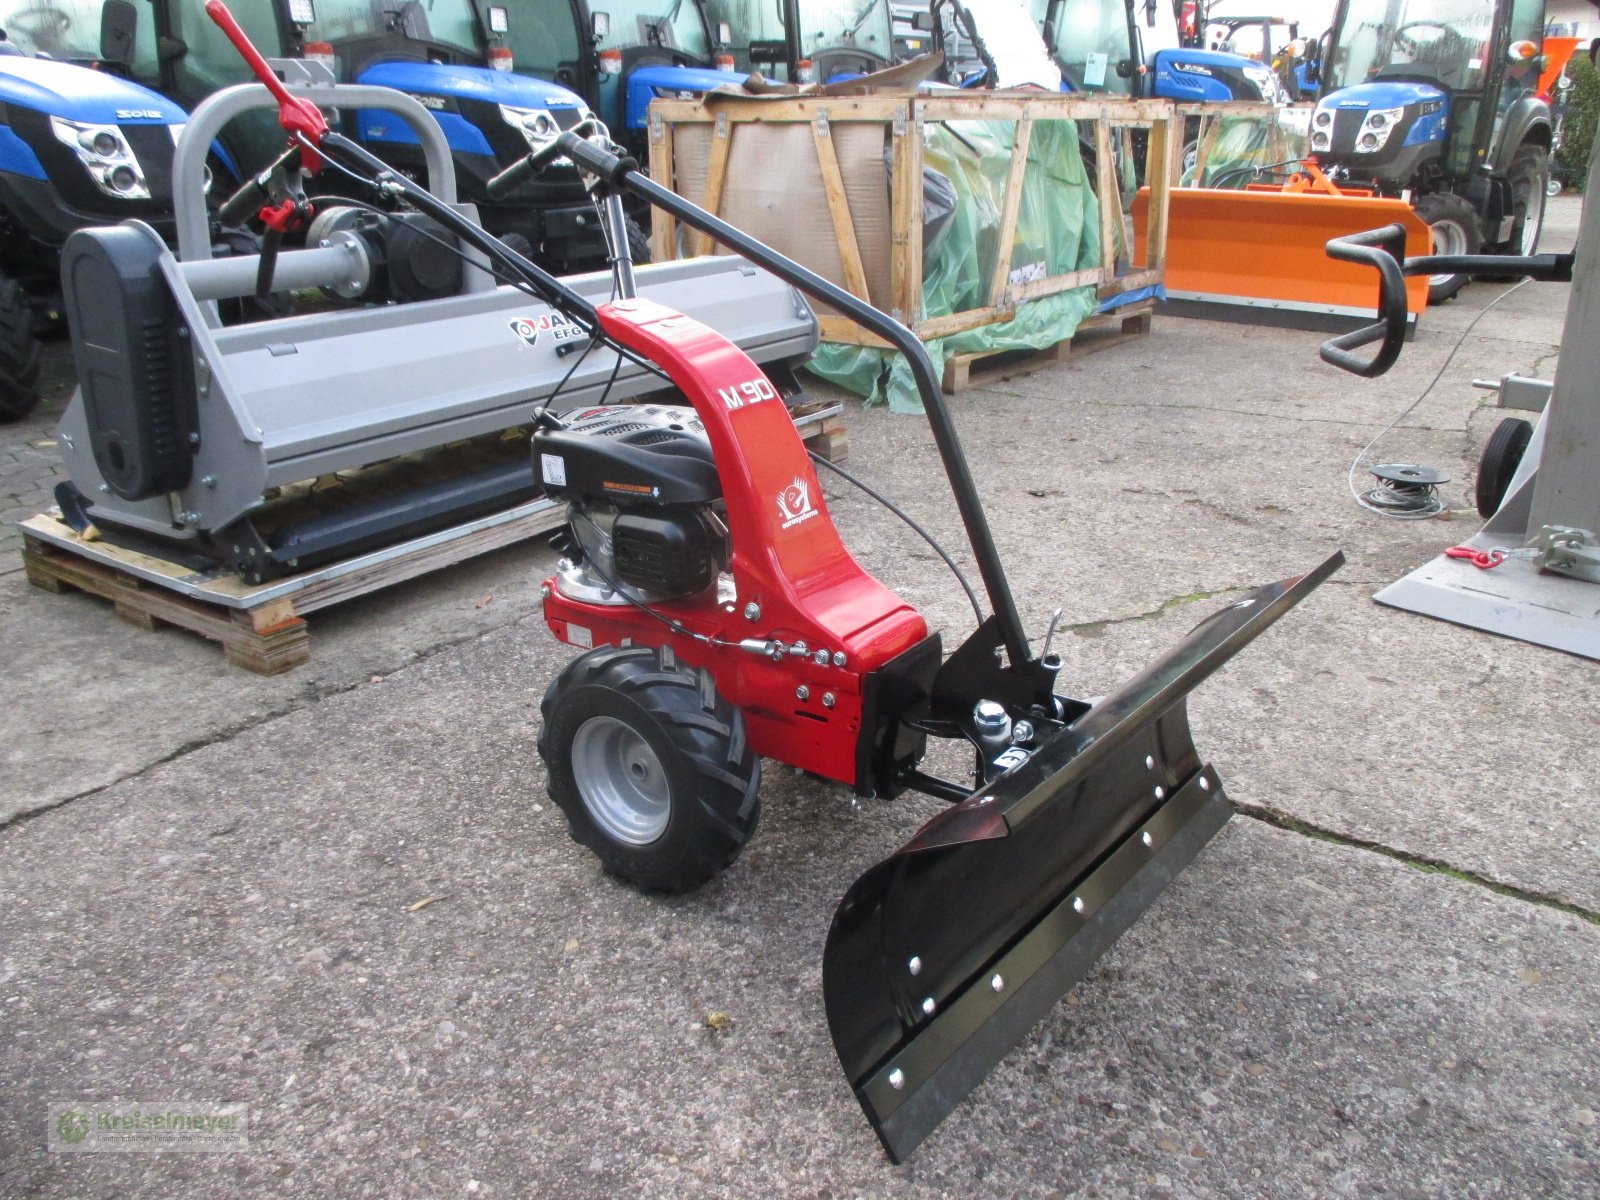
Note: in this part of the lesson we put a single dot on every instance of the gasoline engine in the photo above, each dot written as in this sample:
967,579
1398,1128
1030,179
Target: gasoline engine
644,501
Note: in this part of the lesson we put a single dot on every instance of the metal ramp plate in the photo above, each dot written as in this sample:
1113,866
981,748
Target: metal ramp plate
1515,600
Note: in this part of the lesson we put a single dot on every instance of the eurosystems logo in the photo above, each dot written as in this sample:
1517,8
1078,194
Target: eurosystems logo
794,503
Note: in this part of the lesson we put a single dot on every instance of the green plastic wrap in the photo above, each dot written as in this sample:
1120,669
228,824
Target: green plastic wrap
1242,145
1058,231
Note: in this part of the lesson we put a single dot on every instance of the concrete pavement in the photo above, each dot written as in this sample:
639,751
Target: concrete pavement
1379,981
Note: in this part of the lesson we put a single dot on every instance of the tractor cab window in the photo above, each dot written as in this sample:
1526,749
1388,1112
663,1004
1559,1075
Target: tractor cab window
1444,41
751,21
1091,42
209,61
669,24
69,31
845,24
449,22
543,39
837,35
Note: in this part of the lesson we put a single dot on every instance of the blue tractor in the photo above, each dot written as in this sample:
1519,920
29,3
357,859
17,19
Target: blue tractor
454,56
78,146
1437,101
621,56
1133,47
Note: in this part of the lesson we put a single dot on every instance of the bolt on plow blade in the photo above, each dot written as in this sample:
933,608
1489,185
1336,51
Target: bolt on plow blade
945,955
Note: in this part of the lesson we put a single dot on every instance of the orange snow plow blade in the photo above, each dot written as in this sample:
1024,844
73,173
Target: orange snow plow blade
1260,255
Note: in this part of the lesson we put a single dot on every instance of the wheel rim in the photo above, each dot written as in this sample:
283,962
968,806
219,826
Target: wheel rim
1448,238
621,780
1532,222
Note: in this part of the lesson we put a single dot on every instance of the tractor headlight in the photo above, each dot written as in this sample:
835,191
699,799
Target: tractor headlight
1267,82
106,155
536,124
1377,127
1323,119
1320,140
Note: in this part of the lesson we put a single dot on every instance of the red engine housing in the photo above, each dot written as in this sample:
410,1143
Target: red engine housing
788,563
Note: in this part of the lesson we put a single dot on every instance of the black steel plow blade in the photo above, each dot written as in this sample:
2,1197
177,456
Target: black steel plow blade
942,957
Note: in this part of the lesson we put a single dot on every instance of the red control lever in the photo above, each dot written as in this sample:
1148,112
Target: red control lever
300,117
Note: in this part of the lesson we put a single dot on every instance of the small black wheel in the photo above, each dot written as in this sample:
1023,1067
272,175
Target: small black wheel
1505,448
19,353
650,766
1454,225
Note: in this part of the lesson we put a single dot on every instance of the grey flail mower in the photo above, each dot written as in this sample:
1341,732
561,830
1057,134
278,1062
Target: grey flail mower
720,617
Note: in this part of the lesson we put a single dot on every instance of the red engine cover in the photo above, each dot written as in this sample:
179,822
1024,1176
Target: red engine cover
787,561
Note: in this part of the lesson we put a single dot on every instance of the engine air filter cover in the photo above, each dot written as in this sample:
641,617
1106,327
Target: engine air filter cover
629,454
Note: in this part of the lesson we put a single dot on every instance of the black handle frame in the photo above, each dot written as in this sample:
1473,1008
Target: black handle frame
1384,250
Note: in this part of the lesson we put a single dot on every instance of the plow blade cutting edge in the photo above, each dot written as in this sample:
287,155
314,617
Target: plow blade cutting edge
1259,257
942,957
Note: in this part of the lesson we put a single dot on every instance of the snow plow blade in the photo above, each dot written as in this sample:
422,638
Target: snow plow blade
945,955
1258,256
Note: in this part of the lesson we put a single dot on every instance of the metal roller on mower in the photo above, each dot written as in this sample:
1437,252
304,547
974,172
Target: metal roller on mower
723,621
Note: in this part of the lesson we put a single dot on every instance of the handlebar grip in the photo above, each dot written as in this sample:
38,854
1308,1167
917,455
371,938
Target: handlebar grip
513,177
255,191
598,161
1384,250
595,160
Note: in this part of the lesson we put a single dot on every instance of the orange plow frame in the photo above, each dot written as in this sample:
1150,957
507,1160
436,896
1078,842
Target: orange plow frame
1260,255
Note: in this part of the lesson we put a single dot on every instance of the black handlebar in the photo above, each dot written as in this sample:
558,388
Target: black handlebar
1384,250
256,191
590,157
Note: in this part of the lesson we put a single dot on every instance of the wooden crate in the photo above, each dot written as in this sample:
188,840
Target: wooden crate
1098,332
901,120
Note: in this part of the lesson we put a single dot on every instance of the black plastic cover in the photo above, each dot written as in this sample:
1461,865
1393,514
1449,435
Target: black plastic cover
135,371
422,265
629,454
669,551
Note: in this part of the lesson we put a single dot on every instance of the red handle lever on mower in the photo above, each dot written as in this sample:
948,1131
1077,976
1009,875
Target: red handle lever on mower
300,117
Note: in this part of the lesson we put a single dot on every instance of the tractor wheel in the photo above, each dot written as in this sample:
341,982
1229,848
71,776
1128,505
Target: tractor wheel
650,766
1454,226
638,241
1528,177
19,353
1505,448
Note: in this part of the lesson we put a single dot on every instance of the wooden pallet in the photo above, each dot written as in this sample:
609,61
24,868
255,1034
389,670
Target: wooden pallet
1098,332
821,429
267,639
262,627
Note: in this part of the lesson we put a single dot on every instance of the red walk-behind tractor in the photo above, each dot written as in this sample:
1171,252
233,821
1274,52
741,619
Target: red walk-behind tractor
723,621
